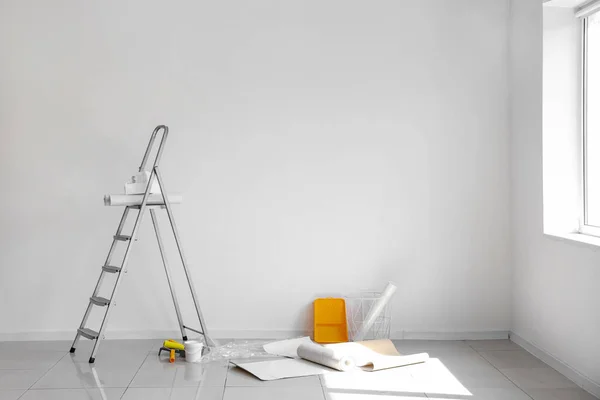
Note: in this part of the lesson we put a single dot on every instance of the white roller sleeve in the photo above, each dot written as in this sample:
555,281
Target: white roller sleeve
138,183
136,199
325,356
377,309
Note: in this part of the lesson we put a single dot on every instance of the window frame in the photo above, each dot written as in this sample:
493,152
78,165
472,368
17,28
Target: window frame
585,228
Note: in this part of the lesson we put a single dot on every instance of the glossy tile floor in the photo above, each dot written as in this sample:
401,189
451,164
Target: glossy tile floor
131,369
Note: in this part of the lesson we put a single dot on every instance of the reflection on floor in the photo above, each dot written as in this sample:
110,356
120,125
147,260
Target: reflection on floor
131,369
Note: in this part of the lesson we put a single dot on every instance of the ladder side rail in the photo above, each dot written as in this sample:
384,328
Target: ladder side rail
165,130
188,276
168,273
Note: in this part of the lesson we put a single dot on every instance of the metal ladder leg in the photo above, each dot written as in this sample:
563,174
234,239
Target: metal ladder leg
100,278
168,273
209,342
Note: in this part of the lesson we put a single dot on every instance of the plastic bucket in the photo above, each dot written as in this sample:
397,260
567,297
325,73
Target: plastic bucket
193,351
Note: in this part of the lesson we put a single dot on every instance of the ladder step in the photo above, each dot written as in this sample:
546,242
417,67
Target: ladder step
88,333
99,301
110,269
122,238
149,206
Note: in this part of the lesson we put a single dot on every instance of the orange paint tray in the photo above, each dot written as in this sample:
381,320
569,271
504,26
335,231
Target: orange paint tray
330,321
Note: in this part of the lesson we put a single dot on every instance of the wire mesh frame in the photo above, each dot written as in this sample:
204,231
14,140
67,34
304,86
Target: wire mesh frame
357,309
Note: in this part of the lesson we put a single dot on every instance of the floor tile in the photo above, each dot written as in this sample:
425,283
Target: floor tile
503,344
122,350
200,375
120,361
560,394
83,375
239,377
40,360
274,393
110,345
471,372
340,394
159,363
537,378
159,372
188,393
512,359
398,380
197,393
19,379
73,394
154,378
11,394
489,378
147,393
463,360
487,394
436,378
28,347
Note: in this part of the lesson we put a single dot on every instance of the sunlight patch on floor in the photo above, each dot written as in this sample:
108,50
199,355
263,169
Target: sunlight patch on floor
405,383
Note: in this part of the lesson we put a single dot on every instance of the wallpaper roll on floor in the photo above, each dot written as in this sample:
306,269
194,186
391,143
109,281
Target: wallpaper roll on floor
136,199
370,356
325,356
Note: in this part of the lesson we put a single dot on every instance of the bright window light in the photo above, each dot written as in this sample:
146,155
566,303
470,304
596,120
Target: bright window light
405,383
591,123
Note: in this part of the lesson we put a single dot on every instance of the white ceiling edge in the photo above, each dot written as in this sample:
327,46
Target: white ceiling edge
565,3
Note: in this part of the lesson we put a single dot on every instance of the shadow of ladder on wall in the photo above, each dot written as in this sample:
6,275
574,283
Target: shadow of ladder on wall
119,237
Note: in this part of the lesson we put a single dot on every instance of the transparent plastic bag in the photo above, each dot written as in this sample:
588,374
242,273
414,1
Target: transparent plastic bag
242,349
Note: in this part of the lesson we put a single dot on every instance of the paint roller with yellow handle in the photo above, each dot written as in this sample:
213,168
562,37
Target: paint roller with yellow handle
172,347
173,344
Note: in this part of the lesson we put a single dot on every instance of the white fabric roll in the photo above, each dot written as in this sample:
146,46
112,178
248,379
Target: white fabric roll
136,199
325,356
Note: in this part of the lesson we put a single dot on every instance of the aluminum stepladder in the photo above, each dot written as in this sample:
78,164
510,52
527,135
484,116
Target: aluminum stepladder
107,268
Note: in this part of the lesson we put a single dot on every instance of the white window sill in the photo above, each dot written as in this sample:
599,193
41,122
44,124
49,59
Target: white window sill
576,237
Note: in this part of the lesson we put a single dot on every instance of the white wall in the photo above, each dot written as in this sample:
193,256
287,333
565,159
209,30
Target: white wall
556,297
323,147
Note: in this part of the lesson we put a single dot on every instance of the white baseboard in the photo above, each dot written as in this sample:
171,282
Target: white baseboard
151,334
451,335
247,334
562,367
258,334
36,336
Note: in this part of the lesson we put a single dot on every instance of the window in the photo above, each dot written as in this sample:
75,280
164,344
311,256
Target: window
591,124
571,120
